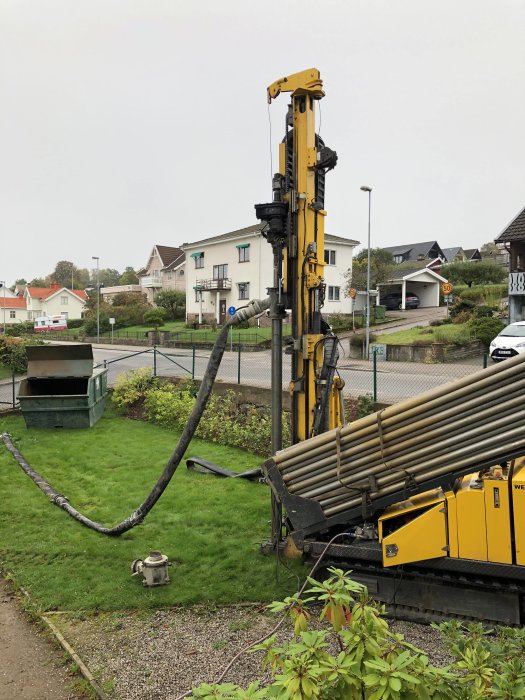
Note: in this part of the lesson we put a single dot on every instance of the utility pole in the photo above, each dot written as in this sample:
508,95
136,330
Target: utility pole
94,257
364,188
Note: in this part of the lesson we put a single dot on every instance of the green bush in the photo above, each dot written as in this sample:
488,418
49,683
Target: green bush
130,388
485,329
461,307
13,352
358,339
340,322
20,329
224,421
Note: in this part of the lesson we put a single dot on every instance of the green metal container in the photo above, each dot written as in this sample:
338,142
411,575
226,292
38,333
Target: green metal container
62,390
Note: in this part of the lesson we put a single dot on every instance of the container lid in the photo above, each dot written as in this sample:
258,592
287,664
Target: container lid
59,360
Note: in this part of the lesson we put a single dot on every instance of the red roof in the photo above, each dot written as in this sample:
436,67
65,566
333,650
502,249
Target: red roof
44,292
13,303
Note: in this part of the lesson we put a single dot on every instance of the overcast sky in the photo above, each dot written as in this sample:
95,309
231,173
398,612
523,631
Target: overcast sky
125,123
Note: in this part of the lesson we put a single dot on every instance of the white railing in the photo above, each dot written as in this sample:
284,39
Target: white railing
150,281
517,283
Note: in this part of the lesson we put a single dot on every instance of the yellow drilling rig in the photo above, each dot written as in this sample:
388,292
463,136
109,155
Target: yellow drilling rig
424,500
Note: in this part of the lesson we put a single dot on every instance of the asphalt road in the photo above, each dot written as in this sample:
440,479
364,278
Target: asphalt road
395,380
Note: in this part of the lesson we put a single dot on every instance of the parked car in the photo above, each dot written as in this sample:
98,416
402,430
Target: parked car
394,301
508,343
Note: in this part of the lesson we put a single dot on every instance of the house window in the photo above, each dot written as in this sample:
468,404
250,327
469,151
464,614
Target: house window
199,260
63,301
244,290
329,257
181,272
168,275
334,293
244,252
12,313
220,272
398,258
198,294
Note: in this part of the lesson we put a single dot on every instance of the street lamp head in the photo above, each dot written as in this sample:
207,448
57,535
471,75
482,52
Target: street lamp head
365,188
95,257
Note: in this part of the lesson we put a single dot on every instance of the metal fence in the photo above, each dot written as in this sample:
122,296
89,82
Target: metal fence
384,381
9,393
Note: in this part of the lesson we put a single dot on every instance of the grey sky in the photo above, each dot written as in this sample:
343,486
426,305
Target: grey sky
125,123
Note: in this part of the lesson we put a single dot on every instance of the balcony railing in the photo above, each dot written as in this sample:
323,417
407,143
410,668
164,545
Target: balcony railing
517,283
151,281
213,285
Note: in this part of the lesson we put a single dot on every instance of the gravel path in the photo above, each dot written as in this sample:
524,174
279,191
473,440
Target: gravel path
159,655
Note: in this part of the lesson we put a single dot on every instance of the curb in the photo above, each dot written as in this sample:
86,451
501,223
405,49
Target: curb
82,667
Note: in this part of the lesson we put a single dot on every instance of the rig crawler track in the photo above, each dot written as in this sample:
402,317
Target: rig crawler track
432,590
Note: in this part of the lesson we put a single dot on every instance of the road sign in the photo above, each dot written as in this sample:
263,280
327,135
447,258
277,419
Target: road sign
447,288
112,321
352,293
232,310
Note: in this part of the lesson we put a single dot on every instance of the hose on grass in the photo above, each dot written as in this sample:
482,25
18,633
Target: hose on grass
254,308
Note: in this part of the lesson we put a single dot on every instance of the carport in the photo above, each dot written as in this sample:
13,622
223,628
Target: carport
425,283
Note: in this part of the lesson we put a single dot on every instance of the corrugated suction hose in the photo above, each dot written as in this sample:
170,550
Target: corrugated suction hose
254,308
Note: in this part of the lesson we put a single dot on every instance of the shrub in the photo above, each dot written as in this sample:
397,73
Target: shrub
351,653
20,329
223,421
130,388
462,306
485,329
340,322
13,352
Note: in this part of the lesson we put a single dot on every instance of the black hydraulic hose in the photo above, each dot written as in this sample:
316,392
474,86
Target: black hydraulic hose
252,309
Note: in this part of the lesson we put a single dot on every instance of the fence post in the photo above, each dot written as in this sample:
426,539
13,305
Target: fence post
14,392
154,360
485,360
193,362
374,372
239,362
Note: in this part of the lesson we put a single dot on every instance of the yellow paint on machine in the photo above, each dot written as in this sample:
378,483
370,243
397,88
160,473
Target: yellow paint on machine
518,500
497,516
472,537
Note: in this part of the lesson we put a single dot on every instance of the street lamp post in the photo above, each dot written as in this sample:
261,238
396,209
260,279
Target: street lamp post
2,284
94,257
364,188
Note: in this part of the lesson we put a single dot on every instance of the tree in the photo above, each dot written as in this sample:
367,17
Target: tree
155,317
64,273
107,276
489,250
128,299
381,266
172,301
129,276
469,273
39,282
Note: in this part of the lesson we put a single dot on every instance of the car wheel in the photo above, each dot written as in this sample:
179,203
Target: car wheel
400,306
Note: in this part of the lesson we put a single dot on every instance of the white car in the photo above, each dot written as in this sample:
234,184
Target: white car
508,343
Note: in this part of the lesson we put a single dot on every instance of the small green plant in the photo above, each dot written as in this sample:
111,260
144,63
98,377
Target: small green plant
131,387
485,329
350,653
13,353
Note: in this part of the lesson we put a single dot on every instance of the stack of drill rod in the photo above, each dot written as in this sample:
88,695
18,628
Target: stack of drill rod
461,426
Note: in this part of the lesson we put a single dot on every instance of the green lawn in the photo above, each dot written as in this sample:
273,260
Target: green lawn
447,333
209,527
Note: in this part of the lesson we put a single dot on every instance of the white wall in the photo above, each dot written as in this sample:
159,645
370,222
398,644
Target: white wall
258,272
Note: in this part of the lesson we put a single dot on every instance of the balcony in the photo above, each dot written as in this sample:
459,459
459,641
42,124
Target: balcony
151,281
517,283
213,285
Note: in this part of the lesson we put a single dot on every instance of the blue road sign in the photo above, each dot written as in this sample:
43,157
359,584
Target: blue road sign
232,310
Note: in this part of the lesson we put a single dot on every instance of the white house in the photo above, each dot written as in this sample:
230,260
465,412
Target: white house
164,270
54,300
12,310
228,270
